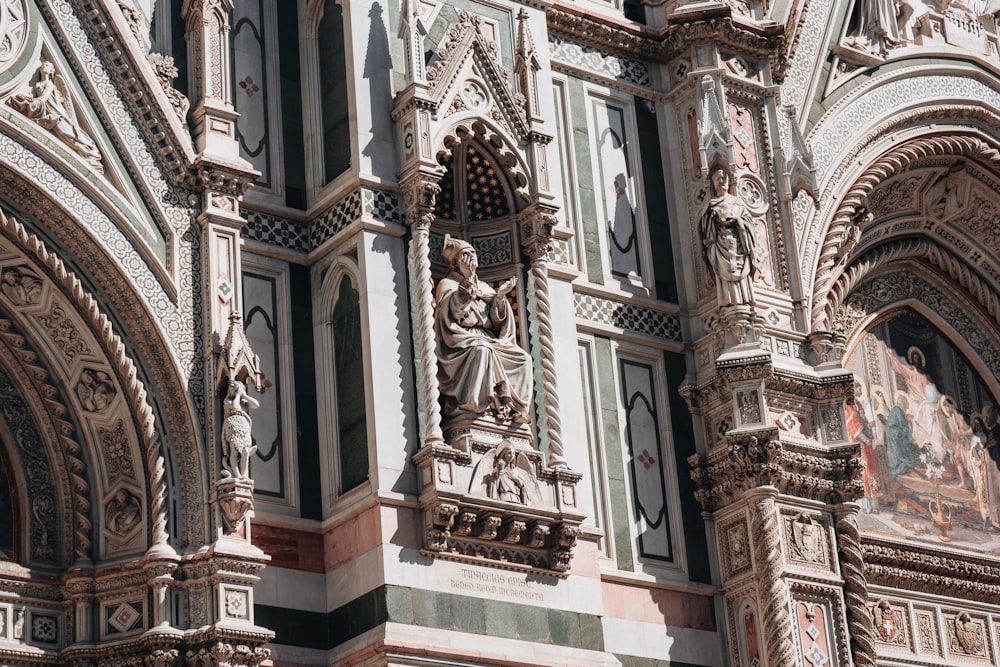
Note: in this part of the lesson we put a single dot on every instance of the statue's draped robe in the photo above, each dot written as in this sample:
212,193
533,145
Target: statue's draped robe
729,246
480,365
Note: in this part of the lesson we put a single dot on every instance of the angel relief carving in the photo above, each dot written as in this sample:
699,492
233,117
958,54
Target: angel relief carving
506,474
50,104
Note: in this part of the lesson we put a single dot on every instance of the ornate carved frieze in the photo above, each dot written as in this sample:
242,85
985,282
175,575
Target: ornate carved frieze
829,474
714,25
490,499
918,568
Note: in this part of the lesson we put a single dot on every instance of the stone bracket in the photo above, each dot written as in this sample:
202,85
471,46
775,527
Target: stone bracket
755,459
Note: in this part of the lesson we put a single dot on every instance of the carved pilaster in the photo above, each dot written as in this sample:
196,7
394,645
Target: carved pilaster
852,566
536,235
772,591
419,193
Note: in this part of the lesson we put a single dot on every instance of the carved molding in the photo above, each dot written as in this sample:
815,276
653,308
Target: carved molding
896,161
714,25
92,312
751,460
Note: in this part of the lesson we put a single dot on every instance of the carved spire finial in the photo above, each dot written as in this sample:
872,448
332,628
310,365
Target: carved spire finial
800,172
412,30
714,141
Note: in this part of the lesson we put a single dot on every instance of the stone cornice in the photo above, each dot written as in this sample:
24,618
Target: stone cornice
755,459
921,568
716,24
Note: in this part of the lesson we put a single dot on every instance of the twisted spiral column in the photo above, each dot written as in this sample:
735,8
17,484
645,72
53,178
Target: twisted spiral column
772,591
422,314
538,291
852,565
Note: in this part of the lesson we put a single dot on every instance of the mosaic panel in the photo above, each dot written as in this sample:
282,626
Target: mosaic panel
276,231
627,316
124,617
594,60
338,216
381,205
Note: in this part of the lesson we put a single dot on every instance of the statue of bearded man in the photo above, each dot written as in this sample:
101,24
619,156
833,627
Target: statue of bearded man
481,368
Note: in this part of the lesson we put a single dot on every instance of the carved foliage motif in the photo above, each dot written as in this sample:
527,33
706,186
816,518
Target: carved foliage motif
831,473
63,332
36,469
117,453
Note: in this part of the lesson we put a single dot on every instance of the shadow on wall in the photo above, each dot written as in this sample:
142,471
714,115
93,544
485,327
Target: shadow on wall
378,66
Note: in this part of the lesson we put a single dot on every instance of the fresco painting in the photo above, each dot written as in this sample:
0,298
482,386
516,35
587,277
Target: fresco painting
930,437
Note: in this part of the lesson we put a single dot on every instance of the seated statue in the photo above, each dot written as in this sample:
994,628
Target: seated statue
481,368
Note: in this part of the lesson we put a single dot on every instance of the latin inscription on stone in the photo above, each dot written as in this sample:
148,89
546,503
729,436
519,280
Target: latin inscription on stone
510,585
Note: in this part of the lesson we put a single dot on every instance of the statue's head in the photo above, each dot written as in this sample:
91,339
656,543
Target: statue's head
507,452
720,181
460,255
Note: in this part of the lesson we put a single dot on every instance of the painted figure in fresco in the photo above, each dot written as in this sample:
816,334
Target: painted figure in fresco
859,428
481,368
991,462
898,438
50,105
237,441
729,244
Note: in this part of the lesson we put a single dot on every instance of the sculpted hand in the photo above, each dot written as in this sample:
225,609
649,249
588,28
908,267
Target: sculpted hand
506,287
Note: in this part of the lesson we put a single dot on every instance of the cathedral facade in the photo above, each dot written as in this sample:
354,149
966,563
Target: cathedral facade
481,332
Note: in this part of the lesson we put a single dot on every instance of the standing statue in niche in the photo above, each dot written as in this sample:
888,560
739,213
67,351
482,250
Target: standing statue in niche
481,368
876,24
729,244
50,105
237,443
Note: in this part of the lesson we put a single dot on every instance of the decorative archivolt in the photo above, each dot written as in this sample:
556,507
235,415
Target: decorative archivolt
877,259
135,392
851,216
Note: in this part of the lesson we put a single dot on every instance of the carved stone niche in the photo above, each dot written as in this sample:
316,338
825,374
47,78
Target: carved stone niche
488,499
